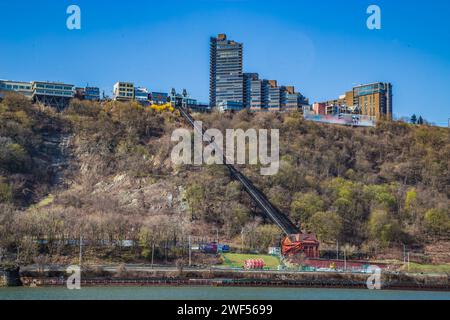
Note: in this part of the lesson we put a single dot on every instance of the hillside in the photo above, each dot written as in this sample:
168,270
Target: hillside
104,171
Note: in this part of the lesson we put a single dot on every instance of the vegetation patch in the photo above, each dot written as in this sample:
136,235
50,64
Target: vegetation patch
238,259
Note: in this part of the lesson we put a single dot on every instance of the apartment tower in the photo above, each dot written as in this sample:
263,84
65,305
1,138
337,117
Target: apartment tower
226,76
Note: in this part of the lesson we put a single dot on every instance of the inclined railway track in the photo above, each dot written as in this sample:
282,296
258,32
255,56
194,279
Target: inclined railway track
263,203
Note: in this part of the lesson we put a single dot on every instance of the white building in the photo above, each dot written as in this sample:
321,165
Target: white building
123,91
21,87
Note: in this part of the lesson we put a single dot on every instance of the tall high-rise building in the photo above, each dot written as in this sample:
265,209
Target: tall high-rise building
374,99
226,76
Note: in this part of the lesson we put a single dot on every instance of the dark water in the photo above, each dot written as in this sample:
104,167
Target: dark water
213,293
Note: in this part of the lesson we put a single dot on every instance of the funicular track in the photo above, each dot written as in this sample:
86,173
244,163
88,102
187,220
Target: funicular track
263,203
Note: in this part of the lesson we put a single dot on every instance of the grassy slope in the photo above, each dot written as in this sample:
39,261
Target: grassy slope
237,260
428,268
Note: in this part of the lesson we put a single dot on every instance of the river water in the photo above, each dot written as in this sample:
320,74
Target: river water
212,293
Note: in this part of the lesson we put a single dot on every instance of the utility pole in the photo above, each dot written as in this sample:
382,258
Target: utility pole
190,251
242,239
404,254
345,260
153,252
337,249
408,261
81,250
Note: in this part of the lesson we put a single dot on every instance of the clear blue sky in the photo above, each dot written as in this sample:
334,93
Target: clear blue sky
321,47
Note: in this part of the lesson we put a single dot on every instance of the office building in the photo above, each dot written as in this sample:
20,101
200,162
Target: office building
141,95
54,94
291,100
258,94
159,97
274,96
233,90
374,100
226,76
21,87
123,91
92,93
248,78
88,93
266,95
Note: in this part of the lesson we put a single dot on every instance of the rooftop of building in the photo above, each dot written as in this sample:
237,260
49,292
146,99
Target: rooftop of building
53,82
370,84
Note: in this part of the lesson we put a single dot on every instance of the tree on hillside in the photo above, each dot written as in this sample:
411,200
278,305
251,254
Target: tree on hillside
6,193
383,229
327,226
195,195
305,205
420,121
413,119
266,236
437,222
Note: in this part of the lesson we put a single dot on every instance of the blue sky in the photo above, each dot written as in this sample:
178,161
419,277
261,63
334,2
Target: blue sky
321,47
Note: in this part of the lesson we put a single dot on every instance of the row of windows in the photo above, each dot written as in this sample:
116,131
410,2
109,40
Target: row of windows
50,86
127,85
15,87
56,93
122,94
